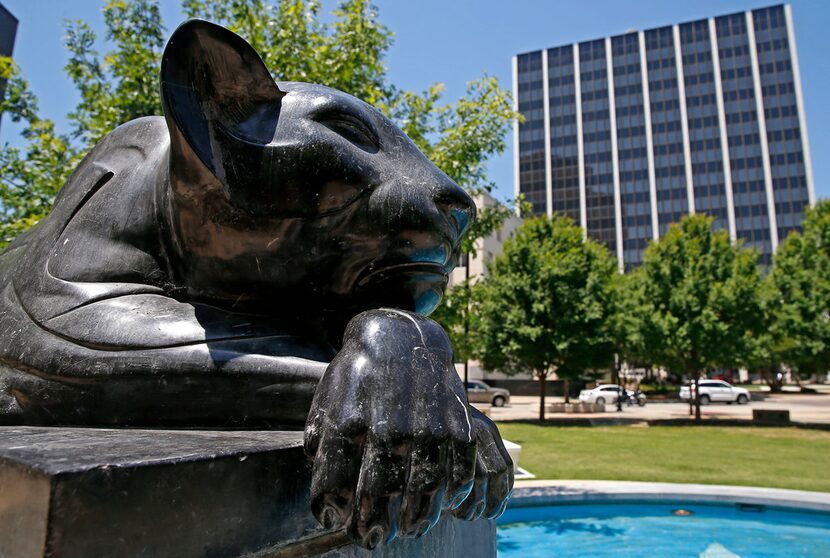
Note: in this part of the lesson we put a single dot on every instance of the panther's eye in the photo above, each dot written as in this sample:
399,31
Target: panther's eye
354,130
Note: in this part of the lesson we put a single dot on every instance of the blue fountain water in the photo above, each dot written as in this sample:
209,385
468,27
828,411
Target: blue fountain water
655,530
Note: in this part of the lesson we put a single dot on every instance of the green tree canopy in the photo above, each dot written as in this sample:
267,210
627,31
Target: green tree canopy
767,344
701,293
628,314
456,313
30,176
799,295
544,304
346,52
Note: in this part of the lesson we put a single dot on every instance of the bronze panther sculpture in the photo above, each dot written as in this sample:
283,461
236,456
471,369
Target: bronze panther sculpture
264,255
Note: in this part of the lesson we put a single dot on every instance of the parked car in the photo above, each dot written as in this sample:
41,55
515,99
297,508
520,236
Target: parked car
716,391
480,392
609,393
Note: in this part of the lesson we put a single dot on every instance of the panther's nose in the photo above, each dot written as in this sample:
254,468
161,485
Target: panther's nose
455,204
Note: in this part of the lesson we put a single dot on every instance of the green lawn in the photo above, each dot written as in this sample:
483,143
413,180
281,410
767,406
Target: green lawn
773,457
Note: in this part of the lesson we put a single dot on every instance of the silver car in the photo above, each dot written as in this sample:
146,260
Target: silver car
479,392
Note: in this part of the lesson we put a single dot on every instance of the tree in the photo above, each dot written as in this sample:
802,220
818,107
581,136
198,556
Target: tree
627,315
544,304
767,344
701,293
31,176
456,313
799,299
457,309
121,87
628,312
296,42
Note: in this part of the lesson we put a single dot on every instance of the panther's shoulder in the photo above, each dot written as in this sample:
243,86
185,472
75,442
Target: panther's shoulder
118,152
86,247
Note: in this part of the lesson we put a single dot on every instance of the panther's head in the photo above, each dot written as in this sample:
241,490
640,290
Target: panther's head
292,194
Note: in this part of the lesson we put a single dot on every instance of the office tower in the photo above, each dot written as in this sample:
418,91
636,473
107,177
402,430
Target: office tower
8,30
626,134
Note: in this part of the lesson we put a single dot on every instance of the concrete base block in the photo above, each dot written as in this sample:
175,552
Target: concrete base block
81,492
515,451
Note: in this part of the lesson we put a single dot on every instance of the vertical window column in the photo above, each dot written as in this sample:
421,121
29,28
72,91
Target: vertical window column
724,141
563,137
615,162
748,188
790,187
516,181
531,132
762,129
684,121
583,208
632,157
652,182
799,96
702,122
546,112
596,143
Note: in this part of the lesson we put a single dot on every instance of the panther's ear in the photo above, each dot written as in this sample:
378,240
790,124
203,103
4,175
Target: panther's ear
215,91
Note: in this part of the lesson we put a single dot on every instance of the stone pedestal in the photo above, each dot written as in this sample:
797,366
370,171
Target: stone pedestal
81,492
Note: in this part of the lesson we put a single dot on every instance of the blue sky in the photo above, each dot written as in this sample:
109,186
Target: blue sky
456,41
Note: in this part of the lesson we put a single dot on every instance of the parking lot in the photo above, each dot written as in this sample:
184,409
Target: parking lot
802,407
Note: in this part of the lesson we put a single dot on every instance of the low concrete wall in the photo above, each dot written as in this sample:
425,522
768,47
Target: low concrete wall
771,417
575,408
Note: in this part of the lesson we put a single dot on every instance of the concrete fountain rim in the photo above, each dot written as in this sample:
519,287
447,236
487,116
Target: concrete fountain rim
533,493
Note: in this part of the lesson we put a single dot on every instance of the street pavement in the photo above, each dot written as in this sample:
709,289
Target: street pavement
802,407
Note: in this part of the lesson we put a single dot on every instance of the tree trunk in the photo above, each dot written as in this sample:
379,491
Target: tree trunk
566,384
770,376
617,368
542,377
466,376
697,397
692,395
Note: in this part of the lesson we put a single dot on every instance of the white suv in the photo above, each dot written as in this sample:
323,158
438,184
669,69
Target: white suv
712,391
608,393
